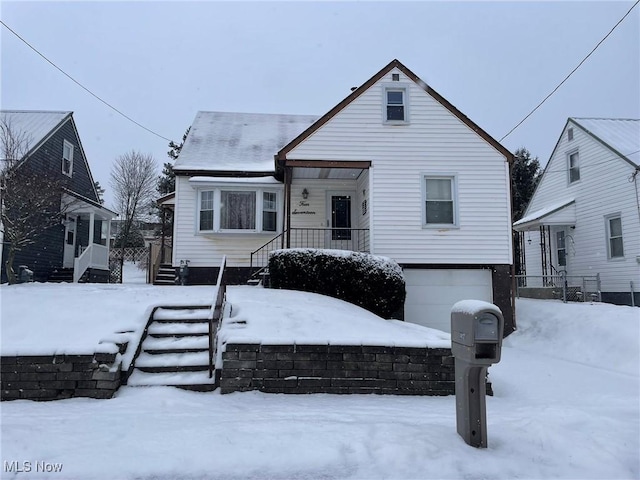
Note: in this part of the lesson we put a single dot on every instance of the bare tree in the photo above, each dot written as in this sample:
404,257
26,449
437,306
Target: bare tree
133,180
30,199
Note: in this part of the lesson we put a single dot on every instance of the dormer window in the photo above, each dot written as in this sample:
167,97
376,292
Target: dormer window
395,104
67,158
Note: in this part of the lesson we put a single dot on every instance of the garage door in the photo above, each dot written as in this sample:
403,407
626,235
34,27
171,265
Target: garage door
432,293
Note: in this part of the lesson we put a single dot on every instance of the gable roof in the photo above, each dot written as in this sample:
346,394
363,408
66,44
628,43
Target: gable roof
239,144
38,125
622,135
282,154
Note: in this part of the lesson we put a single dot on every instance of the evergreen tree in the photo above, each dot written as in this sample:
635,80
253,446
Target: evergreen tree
100,192
167,181
525,173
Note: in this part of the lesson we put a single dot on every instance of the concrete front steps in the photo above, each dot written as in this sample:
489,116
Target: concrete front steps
175,350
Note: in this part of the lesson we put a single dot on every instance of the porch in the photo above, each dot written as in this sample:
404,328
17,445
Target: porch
87,229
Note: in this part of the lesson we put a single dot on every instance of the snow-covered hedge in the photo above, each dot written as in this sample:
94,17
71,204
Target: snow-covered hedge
371,282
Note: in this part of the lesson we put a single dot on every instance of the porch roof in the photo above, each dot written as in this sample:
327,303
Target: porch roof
79,204
560,213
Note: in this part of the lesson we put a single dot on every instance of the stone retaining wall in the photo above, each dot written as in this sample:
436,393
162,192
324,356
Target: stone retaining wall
337,369
54,377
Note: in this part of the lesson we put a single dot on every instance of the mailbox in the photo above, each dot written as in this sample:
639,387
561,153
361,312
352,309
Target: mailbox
476,332
476,343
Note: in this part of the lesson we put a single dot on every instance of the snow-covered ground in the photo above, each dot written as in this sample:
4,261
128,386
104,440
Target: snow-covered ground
566,405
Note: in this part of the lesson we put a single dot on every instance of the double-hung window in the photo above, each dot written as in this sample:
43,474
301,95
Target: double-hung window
439,192
614,236
67,158
206,210
573,160
395,102
226,210
269,212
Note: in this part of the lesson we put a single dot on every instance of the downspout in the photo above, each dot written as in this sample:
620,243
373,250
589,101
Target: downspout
288,173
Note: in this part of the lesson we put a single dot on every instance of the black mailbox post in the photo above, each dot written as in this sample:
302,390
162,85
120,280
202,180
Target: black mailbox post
476,343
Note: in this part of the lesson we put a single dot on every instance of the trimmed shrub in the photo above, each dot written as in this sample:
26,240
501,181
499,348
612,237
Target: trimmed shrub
371,282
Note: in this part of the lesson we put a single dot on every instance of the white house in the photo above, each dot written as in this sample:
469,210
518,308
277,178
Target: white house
394,169
584,217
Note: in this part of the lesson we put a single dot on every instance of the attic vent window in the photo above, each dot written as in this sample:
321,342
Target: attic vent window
570,134
67,158
395,77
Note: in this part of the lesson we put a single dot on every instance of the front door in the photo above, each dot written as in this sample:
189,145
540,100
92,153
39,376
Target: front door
339,209
69,242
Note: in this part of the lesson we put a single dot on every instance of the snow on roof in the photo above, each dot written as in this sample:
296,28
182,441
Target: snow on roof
224,141
543,212
621,134
279,317
266,180
35,124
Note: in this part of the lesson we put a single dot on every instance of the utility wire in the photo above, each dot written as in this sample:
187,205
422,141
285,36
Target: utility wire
572,72
82,86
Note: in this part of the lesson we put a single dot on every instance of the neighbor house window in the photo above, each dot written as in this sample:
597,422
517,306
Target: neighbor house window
67,158
206,210
395,104
614,234
223,210
561,248
574,167
439,200
570,134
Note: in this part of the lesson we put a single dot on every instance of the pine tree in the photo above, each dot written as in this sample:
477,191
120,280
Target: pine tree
525,173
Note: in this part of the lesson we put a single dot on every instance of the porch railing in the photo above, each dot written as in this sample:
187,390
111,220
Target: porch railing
216,313
568,288
354,239
92,256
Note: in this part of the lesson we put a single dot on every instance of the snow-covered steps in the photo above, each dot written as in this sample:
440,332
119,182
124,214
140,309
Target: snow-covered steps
175,350
198,381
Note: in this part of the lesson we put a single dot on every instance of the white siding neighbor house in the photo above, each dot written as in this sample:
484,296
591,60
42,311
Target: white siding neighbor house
394,170
584,217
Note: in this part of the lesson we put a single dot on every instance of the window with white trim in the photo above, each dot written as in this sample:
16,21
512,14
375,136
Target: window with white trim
67,158
395,101
269,212
614,236
573,160
228,210
439,201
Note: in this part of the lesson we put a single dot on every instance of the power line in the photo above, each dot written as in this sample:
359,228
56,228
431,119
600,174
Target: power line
571,73
82,86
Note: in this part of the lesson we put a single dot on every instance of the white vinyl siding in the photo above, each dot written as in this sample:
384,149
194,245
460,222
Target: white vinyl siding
604,188
436,141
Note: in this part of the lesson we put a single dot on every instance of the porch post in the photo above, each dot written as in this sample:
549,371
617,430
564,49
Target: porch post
92,219
288,173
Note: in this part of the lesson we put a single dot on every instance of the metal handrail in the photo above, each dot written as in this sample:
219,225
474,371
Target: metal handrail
354,239
216,306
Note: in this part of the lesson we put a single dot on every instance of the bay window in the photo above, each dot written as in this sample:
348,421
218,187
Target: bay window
227,210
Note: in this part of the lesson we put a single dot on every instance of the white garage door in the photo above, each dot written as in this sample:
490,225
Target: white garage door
432,293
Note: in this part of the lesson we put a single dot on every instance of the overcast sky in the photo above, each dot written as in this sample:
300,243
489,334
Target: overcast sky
161,62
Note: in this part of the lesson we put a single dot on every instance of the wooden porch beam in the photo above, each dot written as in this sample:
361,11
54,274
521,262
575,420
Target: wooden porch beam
327,164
